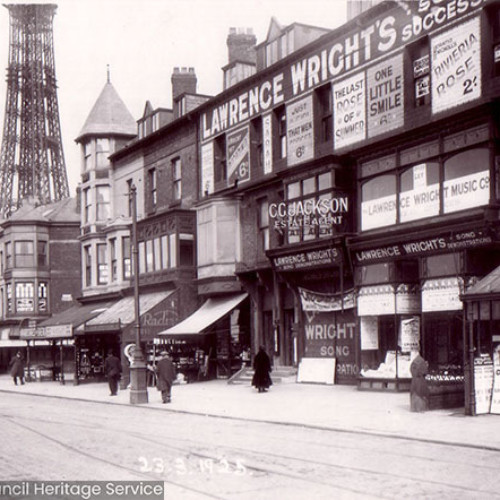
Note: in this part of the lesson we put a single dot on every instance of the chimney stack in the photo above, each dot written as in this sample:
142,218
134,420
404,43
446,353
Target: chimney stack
241,45
183,81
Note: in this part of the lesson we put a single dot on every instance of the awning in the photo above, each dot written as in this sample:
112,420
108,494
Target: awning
489,285
122,313
212,310
12,343
61,325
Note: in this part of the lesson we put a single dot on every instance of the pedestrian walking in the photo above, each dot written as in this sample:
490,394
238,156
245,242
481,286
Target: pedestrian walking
165,376
262,368
16,368
419,389
113,371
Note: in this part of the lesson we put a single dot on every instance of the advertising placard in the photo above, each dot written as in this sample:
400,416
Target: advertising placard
238,156
456,66
385,84
300,131
369,333
316,370
267,142
409,339
207,168
376,300
495,395
349,115
483,384
469,191
322,302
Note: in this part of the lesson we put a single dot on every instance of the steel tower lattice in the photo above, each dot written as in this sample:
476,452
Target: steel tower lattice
32,162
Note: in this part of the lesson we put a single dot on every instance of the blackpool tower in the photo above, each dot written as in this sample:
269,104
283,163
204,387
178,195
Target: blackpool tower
31,160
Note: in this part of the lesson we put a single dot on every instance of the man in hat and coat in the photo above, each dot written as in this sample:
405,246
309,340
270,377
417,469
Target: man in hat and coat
165,376
113,370
16,367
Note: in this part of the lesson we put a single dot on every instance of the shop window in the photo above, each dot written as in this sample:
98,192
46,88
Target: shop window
419,195
23,254
324,97
102,265
102,152
126,266
186,250
466,180
103,207
442,265
442,342
25,297
153,200
378,202
114,262
42,253
263,222
374,274
176,179
88,265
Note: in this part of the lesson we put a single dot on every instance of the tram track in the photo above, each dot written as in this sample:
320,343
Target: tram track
257,462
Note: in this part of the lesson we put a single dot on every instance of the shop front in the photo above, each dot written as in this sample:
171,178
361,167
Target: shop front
114,329
210,342
482,345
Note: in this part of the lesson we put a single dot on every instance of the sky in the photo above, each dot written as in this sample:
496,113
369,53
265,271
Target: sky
142,41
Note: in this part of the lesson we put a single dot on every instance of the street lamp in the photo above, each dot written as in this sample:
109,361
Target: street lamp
138,385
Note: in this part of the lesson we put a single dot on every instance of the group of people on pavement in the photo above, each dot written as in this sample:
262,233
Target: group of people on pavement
166,373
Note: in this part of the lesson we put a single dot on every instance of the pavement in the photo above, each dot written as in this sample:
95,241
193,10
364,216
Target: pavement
332,407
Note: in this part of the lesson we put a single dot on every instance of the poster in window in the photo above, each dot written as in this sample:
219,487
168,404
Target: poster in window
409,334
238,156
349,99
385,87
483,383
456,66
369,333
267,142
207,168
495,396
300,131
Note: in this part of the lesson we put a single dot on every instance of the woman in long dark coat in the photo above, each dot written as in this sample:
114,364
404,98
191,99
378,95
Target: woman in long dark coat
262,366
16,367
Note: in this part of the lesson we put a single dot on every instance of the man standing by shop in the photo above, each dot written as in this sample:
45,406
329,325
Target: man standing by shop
113,370
165,376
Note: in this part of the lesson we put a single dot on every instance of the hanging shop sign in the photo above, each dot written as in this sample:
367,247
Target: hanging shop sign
267,142
207,168
300,131
323,302
440,244
308,259
376,300
312,216
456,66
442,294
483,383
332,335
349,111
385,84
369,333
409,334
337,57
238,156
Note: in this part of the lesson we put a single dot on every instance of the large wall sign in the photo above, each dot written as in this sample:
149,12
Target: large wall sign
456,66
207,168
267,142
300,131
385,84
349,113
344,53
238,156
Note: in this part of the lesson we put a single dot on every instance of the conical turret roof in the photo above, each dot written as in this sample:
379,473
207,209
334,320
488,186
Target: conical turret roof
109,116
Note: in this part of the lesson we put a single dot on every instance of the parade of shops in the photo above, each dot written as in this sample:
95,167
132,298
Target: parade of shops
338,205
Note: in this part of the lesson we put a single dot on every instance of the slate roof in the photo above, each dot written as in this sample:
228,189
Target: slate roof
489,285
109,116
58,211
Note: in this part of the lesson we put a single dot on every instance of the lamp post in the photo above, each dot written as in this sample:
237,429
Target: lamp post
138,385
